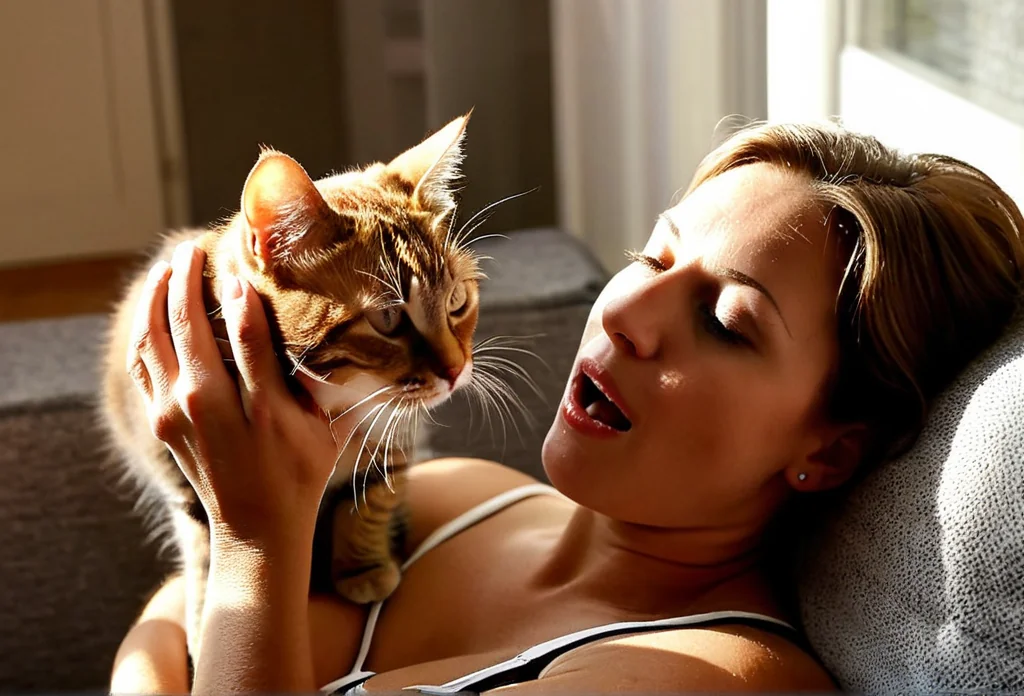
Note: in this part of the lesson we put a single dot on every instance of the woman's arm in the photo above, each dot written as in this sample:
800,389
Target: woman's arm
152,658
256,635
259,462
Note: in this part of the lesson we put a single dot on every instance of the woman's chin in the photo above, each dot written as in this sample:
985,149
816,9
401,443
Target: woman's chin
569,460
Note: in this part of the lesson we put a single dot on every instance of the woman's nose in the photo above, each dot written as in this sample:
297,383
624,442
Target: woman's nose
634,319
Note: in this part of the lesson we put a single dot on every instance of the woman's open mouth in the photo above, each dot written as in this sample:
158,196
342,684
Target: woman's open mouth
592,404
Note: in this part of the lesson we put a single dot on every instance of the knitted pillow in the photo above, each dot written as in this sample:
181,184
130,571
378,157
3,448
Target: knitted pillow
916,584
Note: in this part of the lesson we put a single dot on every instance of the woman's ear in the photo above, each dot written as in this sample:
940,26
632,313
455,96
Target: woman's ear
830,464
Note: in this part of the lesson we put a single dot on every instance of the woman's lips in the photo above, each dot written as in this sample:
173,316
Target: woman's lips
593,405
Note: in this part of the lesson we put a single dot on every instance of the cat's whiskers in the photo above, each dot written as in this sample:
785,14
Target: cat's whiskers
481,388
494,393
429,415
389,287
460,241
297,361
482,237
362,401
461,234
503,397
451,224
510,349
508,340
382,439
484,354
508,367
362,445
348,439
400,426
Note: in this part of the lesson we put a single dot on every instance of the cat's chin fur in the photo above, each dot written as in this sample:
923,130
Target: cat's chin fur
337,398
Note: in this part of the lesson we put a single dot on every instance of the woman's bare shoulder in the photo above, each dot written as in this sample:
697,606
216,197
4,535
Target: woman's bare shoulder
442,489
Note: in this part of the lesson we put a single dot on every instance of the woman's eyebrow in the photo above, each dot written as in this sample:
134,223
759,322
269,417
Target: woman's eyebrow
733,274
671,225
744,279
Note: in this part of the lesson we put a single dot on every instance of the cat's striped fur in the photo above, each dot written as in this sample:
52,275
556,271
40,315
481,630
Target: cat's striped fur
372,300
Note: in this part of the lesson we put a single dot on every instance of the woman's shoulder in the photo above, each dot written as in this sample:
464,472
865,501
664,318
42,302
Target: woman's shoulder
440,490
724,658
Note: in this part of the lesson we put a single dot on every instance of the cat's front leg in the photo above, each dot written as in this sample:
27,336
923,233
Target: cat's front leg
364,564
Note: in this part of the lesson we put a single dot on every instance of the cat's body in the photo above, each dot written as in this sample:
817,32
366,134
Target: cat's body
372,306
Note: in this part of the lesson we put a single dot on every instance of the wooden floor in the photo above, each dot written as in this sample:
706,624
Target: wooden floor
62,289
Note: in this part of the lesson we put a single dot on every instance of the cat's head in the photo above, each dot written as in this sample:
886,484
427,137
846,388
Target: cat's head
365,280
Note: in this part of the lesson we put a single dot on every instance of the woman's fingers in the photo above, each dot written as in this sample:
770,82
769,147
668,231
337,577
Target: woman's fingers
202,382
252,346
151,361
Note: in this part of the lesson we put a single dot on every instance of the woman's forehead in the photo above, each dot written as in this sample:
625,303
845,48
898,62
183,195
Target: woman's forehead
763,221
753,210
755,200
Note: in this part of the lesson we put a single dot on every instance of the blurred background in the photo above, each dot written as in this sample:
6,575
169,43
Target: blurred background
122,118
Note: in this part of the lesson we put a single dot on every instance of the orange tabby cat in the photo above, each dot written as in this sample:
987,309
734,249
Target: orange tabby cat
373,304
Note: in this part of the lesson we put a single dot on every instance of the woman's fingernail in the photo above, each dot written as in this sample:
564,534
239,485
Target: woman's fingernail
157,272
232,288
183,251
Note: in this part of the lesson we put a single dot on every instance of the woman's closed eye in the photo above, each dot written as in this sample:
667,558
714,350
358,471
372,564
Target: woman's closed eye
714,326
709,320
650,262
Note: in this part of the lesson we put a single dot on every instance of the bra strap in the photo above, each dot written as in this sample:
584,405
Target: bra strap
528,664
446,531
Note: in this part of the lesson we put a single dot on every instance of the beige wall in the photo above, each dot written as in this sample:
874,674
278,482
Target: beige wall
80,174
495,56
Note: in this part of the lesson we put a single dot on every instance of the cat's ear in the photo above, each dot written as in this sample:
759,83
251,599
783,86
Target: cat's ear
432,167
284,211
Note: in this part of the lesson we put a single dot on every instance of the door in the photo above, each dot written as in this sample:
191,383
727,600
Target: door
77,131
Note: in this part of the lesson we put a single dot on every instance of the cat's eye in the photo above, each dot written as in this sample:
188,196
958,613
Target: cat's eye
385,320
457,300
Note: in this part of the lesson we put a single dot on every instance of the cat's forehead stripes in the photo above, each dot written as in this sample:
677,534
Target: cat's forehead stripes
419,253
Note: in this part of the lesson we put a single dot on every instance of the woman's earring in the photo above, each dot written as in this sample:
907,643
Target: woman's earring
801,477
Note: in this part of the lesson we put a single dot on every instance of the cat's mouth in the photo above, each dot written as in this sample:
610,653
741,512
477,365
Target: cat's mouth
429,391
438,390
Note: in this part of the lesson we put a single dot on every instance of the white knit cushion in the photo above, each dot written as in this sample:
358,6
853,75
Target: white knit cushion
917,583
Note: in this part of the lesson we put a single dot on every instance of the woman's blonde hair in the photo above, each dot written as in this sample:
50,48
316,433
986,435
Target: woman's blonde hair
934,271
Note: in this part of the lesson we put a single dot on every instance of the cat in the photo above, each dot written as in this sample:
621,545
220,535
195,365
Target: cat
373,302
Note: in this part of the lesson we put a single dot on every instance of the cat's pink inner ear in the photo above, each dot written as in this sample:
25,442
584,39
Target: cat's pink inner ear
432,167
280,203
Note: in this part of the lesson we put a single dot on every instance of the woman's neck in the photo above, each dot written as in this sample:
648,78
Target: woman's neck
646,570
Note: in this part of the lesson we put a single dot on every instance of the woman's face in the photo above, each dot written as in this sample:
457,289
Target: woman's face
717,351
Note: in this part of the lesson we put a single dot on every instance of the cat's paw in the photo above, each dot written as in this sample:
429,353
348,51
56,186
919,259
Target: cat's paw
373,585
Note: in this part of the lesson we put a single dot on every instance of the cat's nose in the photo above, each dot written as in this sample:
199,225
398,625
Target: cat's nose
449,373
452,375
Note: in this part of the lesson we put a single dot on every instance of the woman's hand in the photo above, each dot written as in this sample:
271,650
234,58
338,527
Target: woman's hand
258,460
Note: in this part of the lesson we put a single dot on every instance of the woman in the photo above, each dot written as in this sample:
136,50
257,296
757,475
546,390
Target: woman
784,327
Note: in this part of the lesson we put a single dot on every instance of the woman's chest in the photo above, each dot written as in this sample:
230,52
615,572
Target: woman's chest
479,596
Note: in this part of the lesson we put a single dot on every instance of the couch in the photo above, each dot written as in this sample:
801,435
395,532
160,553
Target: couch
913,583
75,563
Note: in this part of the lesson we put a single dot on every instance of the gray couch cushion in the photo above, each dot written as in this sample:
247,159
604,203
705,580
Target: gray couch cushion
917,583
75,569
75,572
